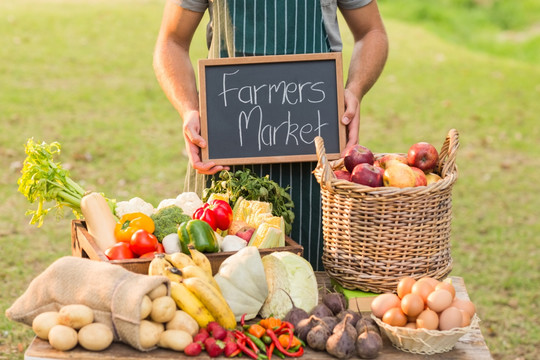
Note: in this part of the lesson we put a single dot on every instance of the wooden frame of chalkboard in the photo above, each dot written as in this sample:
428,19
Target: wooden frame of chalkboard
269,109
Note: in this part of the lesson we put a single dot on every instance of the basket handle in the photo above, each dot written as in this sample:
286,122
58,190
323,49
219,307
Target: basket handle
327,172
448,153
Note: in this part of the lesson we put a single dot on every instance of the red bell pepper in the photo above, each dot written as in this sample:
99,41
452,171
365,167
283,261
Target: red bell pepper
217,213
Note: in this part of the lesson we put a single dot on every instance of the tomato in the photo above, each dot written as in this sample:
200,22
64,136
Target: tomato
143,242
149,255
119,251
129,223
217,213
160,249
152,254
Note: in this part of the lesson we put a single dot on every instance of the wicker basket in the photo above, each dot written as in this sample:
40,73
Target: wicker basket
422,341
375,236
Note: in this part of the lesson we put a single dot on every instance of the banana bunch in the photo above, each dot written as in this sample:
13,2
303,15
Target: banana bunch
193,287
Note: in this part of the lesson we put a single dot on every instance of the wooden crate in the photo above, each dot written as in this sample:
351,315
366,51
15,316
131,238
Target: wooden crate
84,245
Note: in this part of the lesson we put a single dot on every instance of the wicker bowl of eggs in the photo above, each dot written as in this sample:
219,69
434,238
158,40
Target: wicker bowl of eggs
424,316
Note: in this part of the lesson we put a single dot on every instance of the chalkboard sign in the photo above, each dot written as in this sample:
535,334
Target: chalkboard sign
267,109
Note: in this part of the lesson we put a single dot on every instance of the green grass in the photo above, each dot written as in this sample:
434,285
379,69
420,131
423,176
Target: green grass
498,27
80,73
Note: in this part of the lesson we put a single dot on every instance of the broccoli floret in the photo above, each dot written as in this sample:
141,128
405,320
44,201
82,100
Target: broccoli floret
167,220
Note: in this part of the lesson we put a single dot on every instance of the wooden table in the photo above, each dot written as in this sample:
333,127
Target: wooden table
471,346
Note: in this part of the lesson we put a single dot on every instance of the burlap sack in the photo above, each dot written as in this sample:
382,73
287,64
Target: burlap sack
114,293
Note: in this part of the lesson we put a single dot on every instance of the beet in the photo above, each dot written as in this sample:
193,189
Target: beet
355,316
368,344
295,314
365,324
330,321
335,302
321,311
317,336
341,343
305,325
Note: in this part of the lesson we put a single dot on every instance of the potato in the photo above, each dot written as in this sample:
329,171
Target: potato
43,323
62,337
183,321
163,309
149,333
76,315
175,340
159,291
146,307
95,337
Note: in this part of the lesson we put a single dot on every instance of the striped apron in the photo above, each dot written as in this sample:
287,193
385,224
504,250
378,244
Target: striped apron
274,27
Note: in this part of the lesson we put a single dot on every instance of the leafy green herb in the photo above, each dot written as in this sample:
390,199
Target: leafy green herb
245,184
44,180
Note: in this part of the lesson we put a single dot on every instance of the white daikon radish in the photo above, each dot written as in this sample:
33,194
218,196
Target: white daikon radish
100,220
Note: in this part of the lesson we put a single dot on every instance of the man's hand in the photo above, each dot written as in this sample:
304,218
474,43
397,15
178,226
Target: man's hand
351,118
194,143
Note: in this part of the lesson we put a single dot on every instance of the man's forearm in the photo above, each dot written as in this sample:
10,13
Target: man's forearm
367,62
175,74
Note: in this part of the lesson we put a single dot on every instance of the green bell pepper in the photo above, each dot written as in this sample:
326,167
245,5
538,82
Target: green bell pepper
198,233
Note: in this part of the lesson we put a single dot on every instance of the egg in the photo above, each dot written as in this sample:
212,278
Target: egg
450,318
466,318
383,302
439,300
404,286
432,281
411,325
446,286
428,319
466,305
395,317
423,289
412,305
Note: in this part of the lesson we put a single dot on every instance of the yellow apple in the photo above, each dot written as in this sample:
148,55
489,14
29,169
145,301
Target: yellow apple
432,178
399,175
387,159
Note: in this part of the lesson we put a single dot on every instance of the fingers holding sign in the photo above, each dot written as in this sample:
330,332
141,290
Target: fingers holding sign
195,142
351,118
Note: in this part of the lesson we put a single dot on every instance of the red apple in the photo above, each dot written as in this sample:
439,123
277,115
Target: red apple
420,176
245,233
385,159
343,174
399,175
367,174
357,154
423,155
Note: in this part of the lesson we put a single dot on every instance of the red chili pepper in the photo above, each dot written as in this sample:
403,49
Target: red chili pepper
235,353
278,346
242,346
270,350
243,319
239,335
284,325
